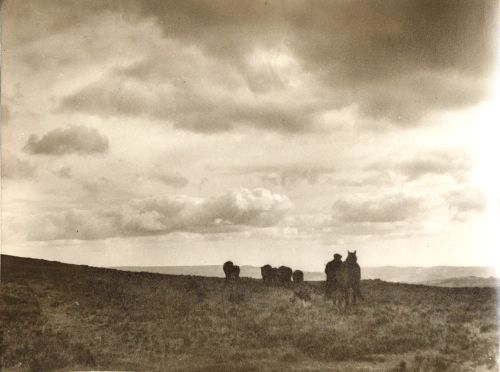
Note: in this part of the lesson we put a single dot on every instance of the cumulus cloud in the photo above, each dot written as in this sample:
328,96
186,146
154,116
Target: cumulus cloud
377,209
238,210
16,168
71,140
452,163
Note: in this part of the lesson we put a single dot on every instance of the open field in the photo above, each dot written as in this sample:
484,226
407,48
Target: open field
66,317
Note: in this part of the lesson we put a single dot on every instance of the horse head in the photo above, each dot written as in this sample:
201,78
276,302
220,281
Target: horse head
351,257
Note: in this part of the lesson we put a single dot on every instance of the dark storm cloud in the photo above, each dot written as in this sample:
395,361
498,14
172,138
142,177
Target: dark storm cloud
31,20
16,168
188,105
361,40
71,140
355,45
395,60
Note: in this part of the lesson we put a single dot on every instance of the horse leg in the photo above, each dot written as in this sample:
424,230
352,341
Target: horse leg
341,299
352,297
357,292
338,300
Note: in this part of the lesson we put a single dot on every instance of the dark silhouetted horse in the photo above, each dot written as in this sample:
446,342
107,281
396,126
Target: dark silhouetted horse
298,276
284,274
267,272
236,272
348,279
231,271
274,275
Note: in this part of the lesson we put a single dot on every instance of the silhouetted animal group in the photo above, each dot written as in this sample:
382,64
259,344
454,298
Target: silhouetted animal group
270,274
282,274
343,278
231,271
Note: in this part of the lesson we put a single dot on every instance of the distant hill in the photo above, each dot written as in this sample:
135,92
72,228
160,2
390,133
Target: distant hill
415,275
426,274
467,281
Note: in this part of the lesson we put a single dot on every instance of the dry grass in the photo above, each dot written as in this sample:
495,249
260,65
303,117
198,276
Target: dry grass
60,317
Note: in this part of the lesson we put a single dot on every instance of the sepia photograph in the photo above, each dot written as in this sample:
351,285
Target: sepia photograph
250,185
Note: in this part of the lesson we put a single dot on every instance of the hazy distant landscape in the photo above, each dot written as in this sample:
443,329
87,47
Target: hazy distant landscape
448,276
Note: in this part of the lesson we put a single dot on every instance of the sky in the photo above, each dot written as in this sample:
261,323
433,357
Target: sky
190,133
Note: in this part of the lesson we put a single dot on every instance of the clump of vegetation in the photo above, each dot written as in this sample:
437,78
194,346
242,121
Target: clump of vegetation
66,317
302,293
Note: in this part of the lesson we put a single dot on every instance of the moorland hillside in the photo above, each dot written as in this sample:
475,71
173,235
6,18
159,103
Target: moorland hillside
66,317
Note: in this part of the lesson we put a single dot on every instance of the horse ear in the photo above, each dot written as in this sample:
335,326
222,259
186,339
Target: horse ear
354,252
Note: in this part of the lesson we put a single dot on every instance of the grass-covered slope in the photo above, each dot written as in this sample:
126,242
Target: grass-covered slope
57,317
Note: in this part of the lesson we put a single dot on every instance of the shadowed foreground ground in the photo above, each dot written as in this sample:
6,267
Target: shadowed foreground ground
58,317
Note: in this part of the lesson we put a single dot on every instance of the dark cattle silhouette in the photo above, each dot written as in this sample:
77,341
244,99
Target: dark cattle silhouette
267,272
231,270
236,272
298,276
330,270
274,275
284,274
228,269
348,277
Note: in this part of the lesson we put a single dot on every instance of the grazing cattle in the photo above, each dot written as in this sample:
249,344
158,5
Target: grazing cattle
267,272
348,277
298,276
274,275
228,269
330,270
231,270
236,272
284,274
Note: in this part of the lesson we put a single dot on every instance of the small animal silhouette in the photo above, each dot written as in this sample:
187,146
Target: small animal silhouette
284,274
298,276
266,272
